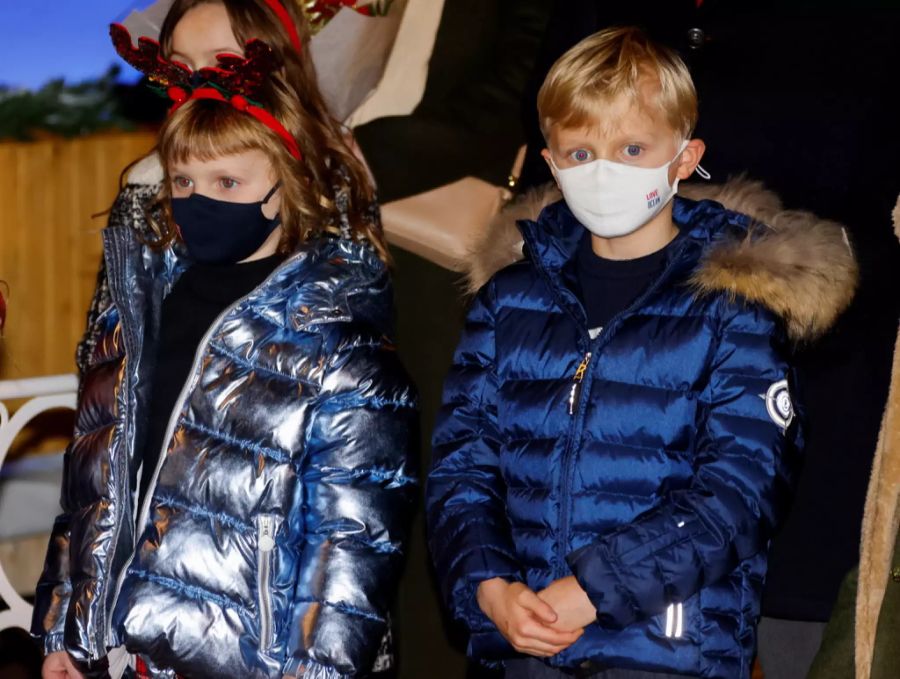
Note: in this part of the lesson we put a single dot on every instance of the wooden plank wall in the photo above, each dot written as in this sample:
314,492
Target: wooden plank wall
50,247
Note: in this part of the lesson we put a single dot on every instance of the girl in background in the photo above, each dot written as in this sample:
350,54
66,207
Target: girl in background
194,33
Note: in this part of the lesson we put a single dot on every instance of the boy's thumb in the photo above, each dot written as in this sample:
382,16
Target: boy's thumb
538,607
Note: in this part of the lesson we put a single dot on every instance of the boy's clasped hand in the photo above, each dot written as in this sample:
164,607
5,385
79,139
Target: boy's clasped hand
540,624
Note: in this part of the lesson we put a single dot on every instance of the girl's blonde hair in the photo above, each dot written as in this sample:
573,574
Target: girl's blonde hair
329,185
581,84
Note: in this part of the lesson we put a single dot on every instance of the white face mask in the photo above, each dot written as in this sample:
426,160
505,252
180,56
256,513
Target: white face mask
613,199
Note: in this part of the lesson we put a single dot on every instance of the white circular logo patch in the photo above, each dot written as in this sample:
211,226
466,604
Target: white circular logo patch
779,405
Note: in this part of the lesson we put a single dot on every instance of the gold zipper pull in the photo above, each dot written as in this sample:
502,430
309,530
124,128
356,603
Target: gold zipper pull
576,382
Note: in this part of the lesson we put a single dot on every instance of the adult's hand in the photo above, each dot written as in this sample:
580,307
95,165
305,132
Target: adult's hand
523,619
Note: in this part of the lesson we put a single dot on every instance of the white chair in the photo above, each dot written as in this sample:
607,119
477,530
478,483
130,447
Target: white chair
29,488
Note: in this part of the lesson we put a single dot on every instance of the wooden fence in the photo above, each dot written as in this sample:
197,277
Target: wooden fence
50,246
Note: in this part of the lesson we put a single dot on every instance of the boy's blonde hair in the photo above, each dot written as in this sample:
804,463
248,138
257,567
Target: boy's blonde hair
585,80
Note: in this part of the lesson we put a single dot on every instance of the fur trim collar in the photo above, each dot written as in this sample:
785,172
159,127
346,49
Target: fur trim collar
796,264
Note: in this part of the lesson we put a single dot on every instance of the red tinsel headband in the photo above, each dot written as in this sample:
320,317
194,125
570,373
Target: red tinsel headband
287,22
181,96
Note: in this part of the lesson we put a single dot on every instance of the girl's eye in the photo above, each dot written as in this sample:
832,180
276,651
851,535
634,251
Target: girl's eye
581,155
182,182
228,182
633,150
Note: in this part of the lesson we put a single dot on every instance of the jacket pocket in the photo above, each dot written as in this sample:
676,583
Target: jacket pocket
266,528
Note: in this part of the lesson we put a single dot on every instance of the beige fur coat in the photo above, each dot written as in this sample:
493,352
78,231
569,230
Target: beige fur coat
881,521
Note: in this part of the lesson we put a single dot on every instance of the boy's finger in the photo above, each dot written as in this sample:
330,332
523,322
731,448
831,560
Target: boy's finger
547,635
536,647
540,608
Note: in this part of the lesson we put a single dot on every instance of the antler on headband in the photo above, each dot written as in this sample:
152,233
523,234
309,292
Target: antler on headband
238,75
235,80
148,59
242,75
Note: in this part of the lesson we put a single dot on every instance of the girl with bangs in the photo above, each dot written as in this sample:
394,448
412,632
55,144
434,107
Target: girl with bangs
194,32
237,493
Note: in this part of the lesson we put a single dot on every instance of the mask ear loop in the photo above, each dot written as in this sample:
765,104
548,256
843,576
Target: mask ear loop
270,193
703,174
276,220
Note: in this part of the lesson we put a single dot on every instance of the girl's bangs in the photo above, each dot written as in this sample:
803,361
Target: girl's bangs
204,130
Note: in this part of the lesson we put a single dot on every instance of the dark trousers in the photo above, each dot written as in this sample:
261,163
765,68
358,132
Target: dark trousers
532,668
787,647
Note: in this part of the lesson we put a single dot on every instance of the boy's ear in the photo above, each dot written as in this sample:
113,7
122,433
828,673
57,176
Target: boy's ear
545,154
690,158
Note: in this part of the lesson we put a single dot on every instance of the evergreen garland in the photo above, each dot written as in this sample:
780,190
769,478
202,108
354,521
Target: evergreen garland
58,108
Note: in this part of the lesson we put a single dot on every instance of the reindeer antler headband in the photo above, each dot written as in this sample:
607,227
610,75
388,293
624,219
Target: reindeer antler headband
236,80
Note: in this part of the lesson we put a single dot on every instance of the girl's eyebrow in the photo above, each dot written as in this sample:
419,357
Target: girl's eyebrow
224,50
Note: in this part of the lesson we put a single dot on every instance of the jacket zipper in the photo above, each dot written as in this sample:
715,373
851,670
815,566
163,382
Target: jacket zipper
170,430
575,409
105,626
265,545
575,392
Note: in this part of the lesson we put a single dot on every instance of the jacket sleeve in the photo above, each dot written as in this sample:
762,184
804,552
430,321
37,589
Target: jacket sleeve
358,495
468,529
740,485
54,587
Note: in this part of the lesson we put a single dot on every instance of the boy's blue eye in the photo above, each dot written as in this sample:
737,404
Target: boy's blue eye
580,155
182,182
228,183
633,150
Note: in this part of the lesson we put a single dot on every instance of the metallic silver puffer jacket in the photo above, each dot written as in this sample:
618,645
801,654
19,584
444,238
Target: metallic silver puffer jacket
272,537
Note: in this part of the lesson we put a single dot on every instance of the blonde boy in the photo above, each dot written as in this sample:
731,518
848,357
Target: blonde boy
611,455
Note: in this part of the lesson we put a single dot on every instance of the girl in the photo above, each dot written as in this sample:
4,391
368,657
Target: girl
193,33
236,492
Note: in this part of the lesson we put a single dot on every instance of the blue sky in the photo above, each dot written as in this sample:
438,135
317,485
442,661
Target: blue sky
45,39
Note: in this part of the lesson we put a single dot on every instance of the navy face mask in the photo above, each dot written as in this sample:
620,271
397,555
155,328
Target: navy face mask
219,232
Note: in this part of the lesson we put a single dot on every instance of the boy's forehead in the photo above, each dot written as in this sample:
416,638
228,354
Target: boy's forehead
622,116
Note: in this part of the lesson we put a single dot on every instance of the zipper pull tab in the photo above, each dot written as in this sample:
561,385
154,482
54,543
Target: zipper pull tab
266,539
575,392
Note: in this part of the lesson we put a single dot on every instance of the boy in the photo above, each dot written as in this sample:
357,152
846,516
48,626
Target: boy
617,430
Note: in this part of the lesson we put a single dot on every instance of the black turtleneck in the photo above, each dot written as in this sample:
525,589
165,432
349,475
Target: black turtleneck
197,299
609,286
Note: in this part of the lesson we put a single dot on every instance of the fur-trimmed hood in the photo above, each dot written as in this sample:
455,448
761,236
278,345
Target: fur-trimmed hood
791,261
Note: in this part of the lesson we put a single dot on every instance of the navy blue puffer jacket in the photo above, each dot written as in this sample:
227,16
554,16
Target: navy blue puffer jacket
655,475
